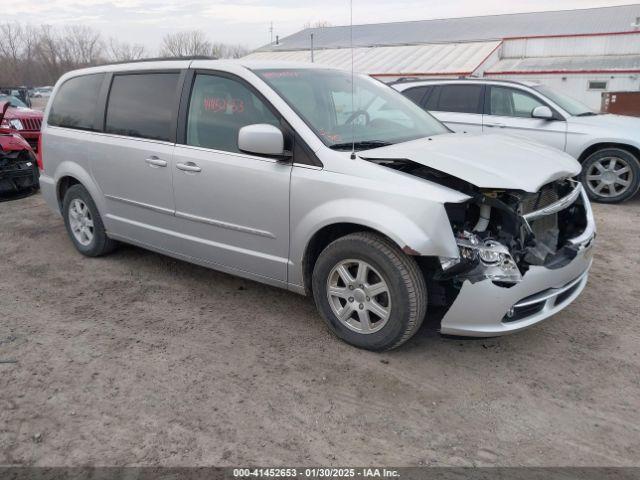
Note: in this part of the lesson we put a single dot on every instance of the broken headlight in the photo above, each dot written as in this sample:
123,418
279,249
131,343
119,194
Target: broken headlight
481,259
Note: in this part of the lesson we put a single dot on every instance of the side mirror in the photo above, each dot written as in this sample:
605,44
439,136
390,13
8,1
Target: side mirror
542,112
261,139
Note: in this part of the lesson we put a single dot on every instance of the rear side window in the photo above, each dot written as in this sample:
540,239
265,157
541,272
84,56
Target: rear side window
219,108
459,98
75,103
415,94
142,105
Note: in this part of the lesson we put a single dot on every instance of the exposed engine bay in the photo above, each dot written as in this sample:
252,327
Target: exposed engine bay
508,231
502,233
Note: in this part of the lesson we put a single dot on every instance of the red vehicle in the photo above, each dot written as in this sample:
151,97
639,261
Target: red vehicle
21,119
18,165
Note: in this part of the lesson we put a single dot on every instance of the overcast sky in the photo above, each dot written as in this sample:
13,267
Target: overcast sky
247,21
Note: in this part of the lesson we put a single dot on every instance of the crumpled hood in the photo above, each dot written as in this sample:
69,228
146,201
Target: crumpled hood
486,161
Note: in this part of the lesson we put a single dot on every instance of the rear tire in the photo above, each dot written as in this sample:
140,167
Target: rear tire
84,224
370,294
611,175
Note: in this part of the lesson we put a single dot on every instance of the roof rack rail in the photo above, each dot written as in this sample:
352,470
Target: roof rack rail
457,79
164,59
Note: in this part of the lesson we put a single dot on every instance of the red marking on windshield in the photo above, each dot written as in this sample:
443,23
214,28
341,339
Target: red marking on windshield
335,138
227,105
282,74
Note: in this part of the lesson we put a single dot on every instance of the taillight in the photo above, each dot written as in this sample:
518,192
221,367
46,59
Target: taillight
39,154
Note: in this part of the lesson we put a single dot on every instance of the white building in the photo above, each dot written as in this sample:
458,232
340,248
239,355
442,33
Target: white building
581,52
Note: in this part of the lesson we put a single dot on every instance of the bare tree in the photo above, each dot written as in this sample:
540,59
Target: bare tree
39,55
185,44
125,52
11,46
318,24
225,50
81,45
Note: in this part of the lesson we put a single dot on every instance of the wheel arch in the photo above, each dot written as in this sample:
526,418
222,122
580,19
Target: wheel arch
331,232
593,148
69,174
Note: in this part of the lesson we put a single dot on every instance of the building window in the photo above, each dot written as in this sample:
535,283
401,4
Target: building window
597,85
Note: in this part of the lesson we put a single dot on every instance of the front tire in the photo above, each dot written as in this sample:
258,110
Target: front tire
611,175
370,294
84,224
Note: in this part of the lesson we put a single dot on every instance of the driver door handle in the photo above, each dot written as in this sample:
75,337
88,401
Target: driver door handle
188,167
154,161
496,125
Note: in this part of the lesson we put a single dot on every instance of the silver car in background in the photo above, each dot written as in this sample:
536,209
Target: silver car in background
607,146
326,184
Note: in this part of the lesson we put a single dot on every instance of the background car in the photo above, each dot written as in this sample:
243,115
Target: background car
18,165
20,119
42,92
607,146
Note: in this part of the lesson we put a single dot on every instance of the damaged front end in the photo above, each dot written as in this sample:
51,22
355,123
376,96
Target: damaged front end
501,234
18,172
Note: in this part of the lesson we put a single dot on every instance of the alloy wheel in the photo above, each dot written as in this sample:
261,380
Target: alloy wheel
81,222
609,177
359,296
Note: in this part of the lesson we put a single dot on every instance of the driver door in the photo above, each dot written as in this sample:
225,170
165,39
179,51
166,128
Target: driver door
232,207
508,111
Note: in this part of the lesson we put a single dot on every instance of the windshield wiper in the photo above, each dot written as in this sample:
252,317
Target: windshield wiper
361,145
587,114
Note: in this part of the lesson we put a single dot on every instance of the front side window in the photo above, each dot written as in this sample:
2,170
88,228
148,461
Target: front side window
571,105
75,103
219,107
508,102
340,111
460,99
142,105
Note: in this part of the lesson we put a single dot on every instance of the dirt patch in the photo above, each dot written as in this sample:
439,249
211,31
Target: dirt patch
139,359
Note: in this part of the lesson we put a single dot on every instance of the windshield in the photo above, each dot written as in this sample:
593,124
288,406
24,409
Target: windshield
377,115
570,105
13,101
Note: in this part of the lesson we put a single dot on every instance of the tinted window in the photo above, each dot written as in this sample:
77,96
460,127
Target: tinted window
415,94
75,104
459,98
508,102
142,105
219,108
431,101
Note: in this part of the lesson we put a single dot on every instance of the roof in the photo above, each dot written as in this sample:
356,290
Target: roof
490,27
575,64
435,59
405,84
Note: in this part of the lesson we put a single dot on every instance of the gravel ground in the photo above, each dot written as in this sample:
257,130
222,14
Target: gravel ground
139,359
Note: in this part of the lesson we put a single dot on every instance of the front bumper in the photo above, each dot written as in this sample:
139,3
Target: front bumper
18,178
481,309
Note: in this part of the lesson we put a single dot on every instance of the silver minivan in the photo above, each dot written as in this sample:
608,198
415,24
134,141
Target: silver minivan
314,180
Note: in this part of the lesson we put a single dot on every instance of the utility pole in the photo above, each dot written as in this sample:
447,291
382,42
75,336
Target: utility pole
271,34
